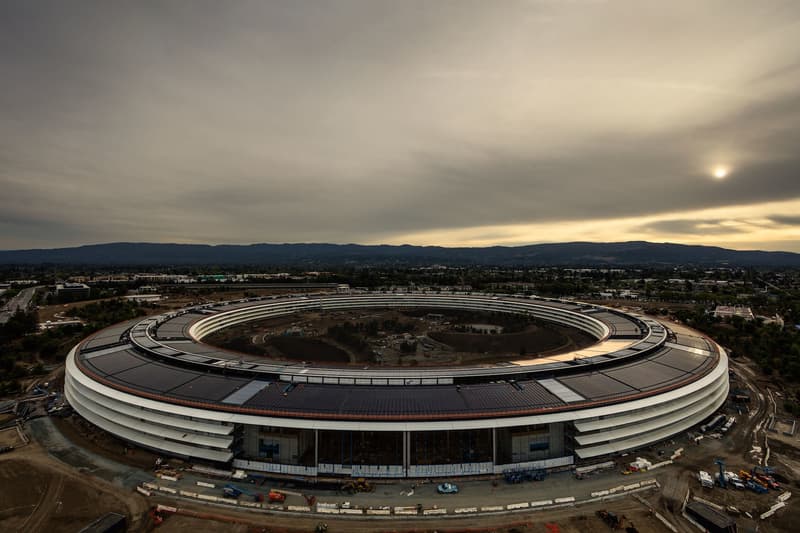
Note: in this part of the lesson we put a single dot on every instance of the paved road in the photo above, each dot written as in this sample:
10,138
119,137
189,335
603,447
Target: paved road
21,301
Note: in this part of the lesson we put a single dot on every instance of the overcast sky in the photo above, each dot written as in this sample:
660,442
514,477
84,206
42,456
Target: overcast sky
431,122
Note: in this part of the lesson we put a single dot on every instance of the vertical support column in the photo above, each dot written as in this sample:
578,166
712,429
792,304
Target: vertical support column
316,448
406,451
494,447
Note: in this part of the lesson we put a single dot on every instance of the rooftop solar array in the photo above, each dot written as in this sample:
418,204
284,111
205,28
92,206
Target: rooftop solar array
621,327
193,371
177,327
110,335
694,342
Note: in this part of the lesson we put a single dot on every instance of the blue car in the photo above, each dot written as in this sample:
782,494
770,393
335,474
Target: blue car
447,488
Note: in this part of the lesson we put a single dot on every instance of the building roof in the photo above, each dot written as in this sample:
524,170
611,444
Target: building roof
136,357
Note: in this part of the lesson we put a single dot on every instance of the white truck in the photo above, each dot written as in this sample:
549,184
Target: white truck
705,479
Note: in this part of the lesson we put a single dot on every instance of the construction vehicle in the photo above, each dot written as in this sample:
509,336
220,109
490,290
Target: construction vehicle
748,477
723,482
230,491
731,421
275,496
357,485
611,519
767,481
705,479
713,424
159,513
763,475
156,518
755,487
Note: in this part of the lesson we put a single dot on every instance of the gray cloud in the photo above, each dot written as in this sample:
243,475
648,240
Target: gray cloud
786,220
359,121
692,227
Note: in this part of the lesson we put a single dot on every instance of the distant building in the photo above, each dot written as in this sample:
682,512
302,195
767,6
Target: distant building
729,311
72,291
775,319
162,278
50,324
144,297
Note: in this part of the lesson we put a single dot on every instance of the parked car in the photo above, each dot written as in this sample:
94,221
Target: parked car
447,488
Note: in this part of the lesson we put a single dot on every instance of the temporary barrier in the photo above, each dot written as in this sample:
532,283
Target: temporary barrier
434,511
462,510
542,503
327,505
379,512
299,508
492,508
568,499
520,505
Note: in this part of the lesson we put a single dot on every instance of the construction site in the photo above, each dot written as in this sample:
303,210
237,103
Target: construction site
736,470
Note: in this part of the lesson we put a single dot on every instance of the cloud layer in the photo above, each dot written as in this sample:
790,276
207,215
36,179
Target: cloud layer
422,122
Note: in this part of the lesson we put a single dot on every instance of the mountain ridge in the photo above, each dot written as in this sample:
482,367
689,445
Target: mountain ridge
578,253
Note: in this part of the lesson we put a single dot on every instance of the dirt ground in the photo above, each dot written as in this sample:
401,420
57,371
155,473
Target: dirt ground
39,494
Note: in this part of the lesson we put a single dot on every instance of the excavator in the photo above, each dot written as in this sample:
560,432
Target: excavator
357,485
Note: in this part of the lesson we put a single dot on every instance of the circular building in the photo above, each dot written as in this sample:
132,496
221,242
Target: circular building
154,382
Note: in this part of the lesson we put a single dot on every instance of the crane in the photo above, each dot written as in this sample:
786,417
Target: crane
722,481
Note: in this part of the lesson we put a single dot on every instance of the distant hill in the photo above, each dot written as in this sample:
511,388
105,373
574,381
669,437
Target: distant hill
563,254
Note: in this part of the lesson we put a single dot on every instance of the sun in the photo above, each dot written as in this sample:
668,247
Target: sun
720,172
